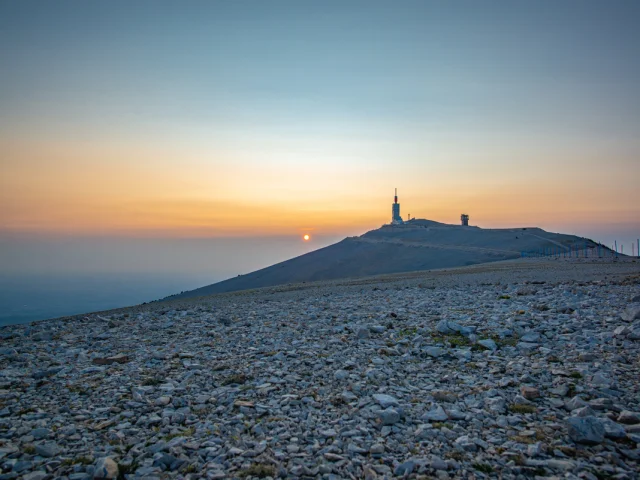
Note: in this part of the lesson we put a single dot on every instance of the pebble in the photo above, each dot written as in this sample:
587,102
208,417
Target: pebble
324,382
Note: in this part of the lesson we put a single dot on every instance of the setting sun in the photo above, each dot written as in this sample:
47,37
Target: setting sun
306,237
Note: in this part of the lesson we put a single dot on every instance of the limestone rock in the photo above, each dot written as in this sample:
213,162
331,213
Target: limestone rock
586,430
105,468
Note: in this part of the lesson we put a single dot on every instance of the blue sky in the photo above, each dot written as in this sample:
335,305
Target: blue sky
444,65
533,104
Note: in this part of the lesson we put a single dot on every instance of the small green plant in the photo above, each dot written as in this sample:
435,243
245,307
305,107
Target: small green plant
505,342
29,449
575,374
191,468
504,297
518,408
238,379
442,425
522,439
407,332
454,454
259,470
186,433
454,339
483,467
77,461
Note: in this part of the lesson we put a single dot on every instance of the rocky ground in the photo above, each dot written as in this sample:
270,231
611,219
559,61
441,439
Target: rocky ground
513,370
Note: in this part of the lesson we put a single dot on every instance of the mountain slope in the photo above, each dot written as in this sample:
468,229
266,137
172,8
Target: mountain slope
416,245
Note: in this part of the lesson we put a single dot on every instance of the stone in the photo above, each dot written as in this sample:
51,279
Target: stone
613,429
628,418
385,400
488,344
105,467
369,473
496,405
560,390
530,337
340,374
601,380
405,469
575,402
376,449
444,396
444,327
389,416
47,450
586,430
332,457
437,414
37,475
363,333
438,463
600,403
583,412
631,314
621,331
535,449
527,347
530,393
434,351
40,433
587,357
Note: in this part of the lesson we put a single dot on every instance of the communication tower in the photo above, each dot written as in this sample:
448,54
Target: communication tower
396,219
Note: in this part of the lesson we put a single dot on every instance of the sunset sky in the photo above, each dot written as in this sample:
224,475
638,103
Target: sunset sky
249,118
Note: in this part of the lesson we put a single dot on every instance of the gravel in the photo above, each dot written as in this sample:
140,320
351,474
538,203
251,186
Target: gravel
512,370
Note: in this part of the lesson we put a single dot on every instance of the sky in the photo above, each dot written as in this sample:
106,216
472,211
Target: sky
236,119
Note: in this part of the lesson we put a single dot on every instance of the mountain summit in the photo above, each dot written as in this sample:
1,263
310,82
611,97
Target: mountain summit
414,245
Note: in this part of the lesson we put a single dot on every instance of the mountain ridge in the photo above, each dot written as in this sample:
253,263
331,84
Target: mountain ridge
416,245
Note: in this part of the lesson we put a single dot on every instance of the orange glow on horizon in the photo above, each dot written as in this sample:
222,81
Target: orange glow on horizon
55,187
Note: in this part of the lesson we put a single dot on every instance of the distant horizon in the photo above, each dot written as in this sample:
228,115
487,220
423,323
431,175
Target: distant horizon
46,278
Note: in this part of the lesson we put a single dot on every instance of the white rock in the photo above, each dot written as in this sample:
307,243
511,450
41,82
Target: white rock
106,468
